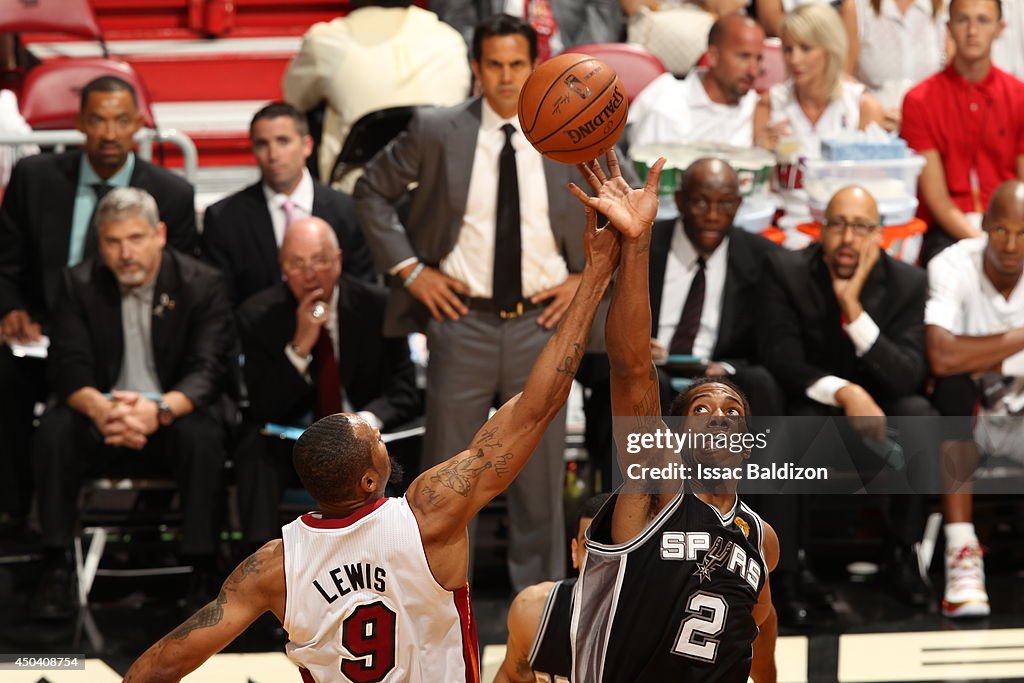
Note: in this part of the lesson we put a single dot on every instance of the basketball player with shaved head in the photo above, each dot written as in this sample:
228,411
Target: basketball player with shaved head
371,588
675,583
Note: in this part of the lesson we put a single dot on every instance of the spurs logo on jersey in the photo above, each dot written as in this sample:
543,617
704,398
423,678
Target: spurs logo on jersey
673,604
681,545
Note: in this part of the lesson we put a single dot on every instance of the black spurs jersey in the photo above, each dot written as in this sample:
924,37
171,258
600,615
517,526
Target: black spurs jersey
673,604
551,654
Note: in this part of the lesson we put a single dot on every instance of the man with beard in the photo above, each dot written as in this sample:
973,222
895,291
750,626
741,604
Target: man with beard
141,338
842,330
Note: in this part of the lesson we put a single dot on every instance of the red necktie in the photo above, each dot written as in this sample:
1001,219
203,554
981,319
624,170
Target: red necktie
326,376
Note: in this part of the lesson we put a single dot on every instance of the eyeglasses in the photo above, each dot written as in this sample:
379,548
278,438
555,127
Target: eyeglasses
859,229
317,263
701,205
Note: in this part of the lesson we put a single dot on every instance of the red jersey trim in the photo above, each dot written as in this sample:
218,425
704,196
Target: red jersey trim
310,519
470,646
306,676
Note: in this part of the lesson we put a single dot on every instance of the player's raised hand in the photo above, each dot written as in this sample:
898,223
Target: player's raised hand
631,211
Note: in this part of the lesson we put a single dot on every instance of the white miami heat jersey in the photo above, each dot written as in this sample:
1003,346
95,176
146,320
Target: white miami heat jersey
363,607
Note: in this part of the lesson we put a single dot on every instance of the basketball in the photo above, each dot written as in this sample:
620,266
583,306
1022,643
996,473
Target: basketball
572,108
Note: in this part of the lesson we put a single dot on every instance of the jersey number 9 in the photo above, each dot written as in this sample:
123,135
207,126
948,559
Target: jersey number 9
369,634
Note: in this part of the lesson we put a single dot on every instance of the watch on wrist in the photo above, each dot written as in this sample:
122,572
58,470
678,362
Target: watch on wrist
164,414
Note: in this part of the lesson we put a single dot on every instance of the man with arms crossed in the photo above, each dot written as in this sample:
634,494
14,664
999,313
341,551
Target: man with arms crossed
675,582
374,582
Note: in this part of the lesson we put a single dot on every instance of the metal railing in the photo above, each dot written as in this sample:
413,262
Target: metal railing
146,138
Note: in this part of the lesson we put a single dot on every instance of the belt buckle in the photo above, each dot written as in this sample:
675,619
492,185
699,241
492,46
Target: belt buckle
512,315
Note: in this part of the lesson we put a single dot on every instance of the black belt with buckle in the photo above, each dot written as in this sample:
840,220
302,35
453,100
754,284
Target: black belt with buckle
490,306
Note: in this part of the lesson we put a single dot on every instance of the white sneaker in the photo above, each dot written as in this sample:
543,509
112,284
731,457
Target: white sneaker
965,583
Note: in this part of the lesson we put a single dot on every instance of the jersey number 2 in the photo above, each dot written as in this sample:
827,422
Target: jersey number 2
369,634
706,620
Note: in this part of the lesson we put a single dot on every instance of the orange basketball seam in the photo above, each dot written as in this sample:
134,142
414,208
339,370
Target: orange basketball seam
565,124
554,81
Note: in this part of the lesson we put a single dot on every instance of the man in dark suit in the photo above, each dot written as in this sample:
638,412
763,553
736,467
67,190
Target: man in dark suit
242,232
140,341
703,276
313,346
491,257
843,333
45,225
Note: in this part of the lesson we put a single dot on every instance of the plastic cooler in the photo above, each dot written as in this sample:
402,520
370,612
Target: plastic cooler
886,179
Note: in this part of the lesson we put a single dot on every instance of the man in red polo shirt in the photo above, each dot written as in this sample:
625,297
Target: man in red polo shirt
968,122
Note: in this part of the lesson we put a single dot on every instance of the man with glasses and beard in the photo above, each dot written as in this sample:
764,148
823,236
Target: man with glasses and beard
842,330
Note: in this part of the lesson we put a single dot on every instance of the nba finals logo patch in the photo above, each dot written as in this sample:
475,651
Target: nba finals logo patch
744,527
577,86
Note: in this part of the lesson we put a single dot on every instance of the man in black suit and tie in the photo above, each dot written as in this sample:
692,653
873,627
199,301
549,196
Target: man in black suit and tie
242,232
141,338
842,330
46,225
313,347
703,276
486,263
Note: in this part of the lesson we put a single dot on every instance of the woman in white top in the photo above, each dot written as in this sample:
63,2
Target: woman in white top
902,42
815,102
771,12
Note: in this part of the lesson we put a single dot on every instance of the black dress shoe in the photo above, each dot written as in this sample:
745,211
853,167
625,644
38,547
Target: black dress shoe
54,597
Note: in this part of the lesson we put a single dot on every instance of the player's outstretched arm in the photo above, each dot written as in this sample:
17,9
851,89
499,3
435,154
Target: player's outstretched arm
634,379
255,586
446,497
524,617
762,669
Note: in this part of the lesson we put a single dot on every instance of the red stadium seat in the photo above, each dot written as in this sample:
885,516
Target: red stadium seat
71,17
774,68
51,94
635,66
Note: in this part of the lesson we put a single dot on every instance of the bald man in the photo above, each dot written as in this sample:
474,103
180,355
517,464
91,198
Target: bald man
313,346
842,330
713,104
703,270
974,326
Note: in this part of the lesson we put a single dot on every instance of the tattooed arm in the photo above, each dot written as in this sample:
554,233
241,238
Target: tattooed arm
634,380
446,497
255,586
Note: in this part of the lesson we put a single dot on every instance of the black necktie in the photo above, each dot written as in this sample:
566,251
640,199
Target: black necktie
689,321
508,276
91,239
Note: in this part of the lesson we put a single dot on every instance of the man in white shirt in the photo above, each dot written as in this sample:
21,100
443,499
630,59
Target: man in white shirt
486,263
975,329
712,105
384,53
242,233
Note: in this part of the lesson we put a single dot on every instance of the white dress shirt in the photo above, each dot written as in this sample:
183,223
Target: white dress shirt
898,50
302,363
670,110
472,259
680,269
302,204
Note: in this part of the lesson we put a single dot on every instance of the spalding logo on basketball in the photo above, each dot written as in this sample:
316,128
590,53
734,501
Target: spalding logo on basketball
572,108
